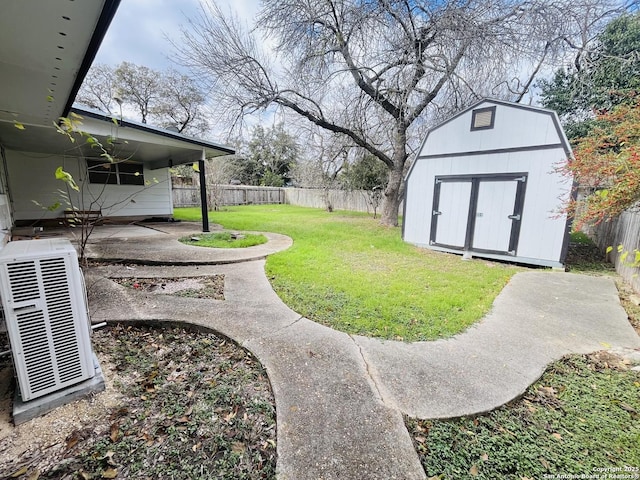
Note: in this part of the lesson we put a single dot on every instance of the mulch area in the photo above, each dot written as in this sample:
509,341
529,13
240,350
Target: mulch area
179,404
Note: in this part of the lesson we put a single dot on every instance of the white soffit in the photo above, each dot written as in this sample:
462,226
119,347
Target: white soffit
42,47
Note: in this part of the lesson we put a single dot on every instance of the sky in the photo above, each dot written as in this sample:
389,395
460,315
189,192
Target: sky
139,29
140,33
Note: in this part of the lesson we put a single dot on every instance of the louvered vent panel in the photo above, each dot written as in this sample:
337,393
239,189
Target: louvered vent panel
44,302
483,119
36,351
24,281
61,319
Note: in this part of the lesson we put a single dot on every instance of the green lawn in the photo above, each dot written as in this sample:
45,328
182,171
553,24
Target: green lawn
346,271
581,418
224,240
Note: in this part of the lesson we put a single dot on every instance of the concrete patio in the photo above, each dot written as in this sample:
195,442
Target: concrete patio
340,399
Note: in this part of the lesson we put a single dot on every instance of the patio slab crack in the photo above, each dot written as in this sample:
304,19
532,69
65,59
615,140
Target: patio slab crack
370,374
300,318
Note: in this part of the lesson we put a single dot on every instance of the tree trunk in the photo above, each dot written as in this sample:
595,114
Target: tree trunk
393,192
392,199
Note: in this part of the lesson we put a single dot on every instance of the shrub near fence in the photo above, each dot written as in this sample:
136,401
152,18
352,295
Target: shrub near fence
624,230
354,200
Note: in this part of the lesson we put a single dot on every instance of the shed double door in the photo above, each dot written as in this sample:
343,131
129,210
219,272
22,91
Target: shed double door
478,213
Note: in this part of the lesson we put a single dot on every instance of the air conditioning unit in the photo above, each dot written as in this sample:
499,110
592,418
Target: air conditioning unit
43,296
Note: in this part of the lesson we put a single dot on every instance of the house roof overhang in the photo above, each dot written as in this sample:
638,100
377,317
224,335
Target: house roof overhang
123,139
46,49
153,146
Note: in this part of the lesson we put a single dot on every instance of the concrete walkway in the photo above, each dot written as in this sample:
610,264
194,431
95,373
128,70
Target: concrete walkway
117,243
340,399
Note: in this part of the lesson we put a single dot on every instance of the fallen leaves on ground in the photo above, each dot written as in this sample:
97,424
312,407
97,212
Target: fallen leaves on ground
194,406
582,414
210,287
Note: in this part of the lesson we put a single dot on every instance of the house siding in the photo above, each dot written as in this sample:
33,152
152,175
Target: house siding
37,172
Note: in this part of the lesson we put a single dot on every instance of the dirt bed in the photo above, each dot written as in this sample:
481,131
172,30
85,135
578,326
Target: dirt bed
178,404
211,287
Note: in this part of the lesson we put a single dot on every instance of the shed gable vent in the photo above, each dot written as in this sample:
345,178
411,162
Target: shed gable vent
483,118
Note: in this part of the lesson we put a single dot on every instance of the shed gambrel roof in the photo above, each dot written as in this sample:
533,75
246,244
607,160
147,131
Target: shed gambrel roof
488,102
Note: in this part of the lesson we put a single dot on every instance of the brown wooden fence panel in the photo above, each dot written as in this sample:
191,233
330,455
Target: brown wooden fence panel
229,195
356,200
186,197
625,231
353,200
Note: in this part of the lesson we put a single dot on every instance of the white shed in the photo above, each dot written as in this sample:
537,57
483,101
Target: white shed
485,184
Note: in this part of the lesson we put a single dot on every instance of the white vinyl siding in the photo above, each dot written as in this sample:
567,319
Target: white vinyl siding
32,179
524,141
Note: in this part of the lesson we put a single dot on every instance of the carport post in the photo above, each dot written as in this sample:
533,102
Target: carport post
203,194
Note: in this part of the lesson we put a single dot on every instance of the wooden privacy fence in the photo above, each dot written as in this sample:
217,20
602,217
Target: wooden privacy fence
186,196
624,230
355,200
352,200
229,195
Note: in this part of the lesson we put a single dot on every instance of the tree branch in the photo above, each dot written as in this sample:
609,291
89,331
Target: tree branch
332,127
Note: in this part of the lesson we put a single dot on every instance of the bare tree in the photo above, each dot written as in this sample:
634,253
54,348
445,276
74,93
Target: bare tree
98,88
181,104
373,71
218,173
163,98
139,86
334,155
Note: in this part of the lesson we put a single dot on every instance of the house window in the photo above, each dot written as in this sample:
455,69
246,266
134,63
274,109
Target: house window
121,173
483,118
